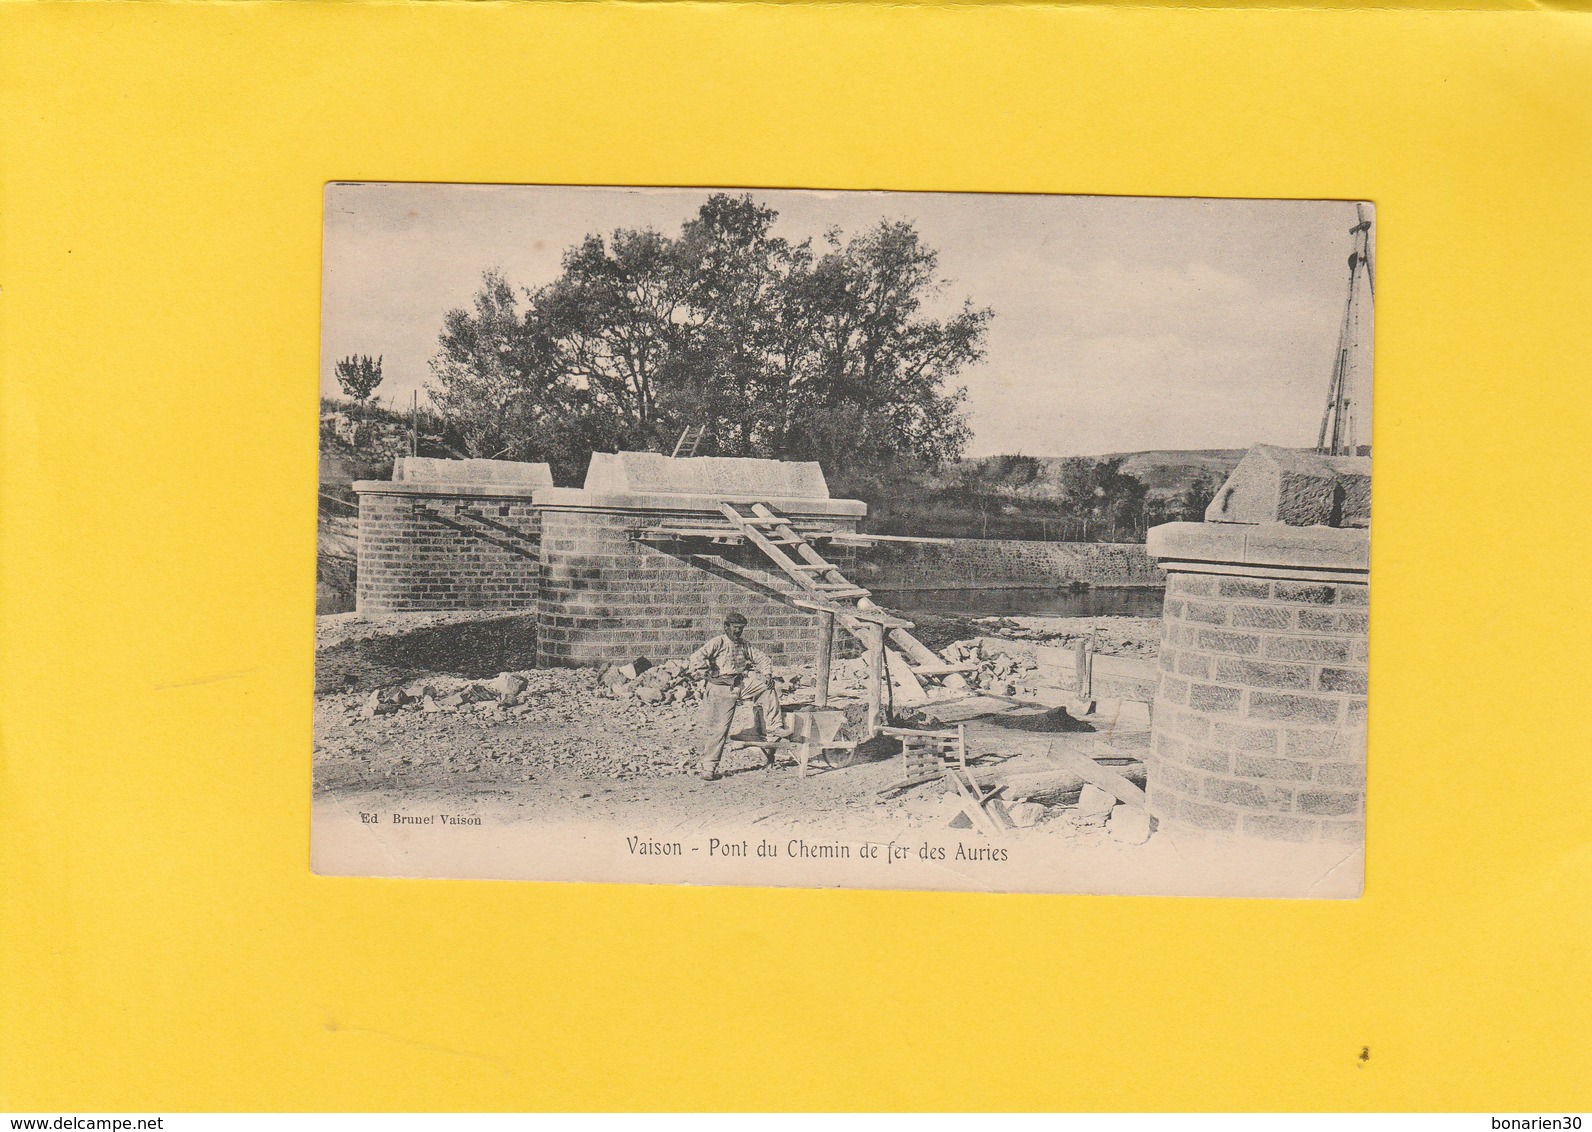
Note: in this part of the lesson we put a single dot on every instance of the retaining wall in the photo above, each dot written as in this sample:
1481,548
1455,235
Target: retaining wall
1003,563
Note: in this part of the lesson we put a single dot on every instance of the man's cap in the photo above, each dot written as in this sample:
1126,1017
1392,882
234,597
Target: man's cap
733,619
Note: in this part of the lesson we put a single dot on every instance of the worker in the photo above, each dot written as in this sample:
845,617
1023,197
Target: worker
735,673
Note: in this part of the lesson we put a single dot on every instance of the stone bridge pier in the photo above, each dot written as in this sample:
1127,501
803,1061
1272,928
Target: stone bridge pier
1259,720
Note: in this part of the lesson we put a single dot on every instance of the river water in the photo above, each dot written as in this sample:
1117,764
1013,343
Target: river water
1038,601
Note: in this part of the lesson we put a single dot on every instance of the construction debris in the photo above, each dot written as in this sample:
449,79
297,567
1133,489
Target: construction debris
1131,824
1094,801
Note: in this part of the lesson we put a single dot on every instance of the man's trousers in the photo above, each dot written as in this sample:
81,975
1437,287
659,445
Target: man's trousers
718,713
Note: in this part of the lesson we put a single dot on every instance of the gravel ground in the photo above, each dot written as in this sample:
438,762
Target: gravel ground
573,747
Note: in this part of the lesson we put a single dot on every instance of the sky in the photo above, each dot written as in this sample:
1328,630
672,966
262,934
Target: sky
1121,323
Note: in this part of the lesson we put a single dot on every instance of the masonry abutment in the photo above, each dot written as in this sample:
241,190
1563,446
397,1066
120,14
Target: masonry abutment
1259,720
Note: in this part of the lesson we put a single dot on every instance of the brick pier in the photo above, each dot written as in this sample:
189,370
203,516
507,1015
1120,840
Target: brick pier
1260,716
447,535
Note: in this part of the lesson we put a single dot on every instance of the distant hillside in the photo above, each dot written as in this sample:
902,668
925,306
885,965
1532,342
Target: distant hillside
1169,472
1166,472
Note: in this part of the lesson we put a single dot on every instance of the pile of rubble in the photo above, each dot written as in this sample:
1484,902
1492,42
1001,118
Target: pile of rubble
511,694
1000,668
1093,812
670,682
506,695
1000,671
1134,637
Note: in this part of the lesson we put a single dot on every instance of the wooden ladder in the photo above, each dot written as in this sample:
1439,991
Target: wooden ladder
690,440
829,590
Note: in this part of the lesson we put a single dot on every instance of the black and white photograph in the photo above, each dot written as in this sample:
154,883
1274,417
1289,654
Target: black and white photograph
878,540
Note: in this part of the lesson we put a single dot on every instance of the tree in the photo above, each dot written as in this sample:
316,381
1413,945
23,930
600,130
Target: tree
1192,501
779,350
1111,502
359,375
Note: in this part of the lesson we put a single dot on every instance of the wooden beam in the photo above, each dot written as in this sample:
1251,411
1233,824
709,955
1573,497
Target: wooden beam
847,538
878,678
826,648
942,669
675,534
869,616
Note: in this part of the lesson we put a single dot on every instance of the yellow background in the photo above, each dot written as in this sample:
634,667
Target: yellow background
164,943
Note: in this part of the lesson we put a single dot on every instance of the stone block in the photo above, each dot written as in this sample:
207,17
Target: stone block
1208,758
1341,774
1204,816
1260,674
1193,664
1263,766
1261,617
653,473
1250,795
1238,644
1093,801
1201,585
1329,803
1320,650
1205,613
1306,593
1129,824
1314,742
1343,680
1177,778
1244,737
1248,588
1296,487
1134,714
1214,698
1191,725
1284,707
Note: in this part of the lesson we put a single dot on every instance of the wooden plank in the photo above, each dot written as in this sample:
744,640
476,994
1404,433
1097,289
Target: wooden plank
1095,774
869,616
909,692
826,649
650,534
774,553
914,648
876,679
974,805
942,669
848,538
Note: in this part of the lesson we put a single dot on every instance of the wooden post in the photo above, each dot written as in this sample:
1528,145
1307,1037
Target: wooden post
1093,644
826,646
877,675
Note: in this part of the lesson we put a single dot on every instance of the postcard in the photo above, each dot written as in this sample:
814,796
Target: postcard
997,543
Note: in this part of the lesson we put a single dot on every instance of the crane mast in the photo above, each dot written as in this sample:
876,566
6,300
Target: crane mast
1337,436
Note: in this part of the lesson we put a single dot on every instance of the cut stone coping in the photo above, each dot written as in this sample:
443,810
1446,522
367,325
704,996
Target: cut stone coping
653,473
427,488
428,469
1269,550
1300,488
580,499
